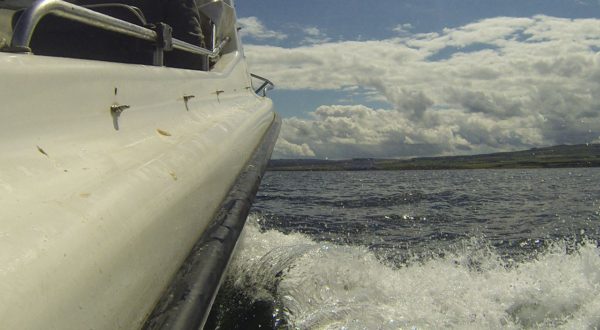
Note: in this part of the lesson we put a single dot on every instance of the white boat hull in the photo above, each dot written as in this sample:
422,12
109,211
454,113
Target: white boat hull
95,220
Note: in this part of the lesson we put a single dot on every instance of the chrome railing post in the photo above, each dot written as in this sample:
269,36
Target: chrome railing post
159,57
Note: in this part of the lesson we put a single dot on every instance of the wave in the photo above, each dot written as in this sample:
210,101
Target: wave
300,283
350,201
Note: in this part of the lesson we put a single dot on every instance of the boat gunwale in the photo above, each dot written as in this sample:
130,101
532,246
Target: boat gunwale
186,303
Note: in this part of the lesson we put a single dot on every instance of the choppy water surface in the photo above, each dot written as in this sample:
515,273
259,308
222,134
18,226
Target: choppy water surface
418,249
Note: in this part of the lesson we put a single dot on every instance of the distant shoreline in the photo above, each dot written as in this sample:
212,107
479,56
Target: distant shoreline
561,156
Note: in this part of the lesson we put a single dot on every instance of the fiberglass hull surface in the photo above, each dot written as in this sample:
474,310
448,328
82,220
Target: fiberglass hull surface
98,210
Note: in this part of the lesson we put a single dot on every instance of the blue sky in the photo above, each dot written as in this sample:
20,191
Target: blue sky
400,79
353,19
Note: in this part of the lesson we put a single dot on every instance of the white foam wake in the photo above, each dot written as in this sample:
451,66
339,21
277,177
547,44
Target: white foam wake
322,285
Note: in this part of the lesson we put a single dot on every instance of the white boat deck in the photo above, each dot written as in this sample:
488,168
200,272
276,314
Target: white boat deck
95,220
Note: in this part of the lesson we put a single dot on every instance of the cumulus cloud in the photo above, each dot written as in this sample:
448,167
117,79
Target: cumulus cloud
497,84
252,27
314,36
286,149
403,29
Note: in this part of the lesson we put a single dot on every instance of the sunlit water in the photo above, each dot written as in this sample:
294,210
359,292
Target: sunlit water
418,250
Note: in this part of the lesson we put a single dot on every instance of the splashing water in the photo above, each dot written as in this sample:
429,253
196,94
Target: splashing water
305,284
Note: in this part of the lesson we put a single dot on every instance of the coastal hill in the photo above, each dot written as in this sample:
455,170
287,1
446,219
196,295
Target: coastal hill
582,155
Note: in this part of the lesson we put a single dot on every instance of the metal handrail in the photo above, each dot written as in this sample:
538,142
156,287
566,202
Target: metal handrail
132,9
266,85
31,17
182,45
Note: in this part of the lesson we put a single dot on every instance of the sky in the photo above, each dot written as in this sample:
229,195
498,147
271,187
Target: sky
411,78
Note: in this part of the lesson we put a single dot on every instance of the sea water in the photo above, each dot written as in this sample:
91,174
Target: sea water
467,249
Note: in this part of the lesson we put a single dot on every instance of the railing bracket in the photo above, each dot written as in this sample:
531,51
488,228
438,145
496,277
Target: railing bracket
115,112
164,36
266,85
186,98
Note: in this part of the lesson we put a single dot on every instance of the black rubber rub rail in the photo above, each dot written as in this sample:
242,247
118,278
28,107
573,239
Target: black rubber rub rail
186,303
